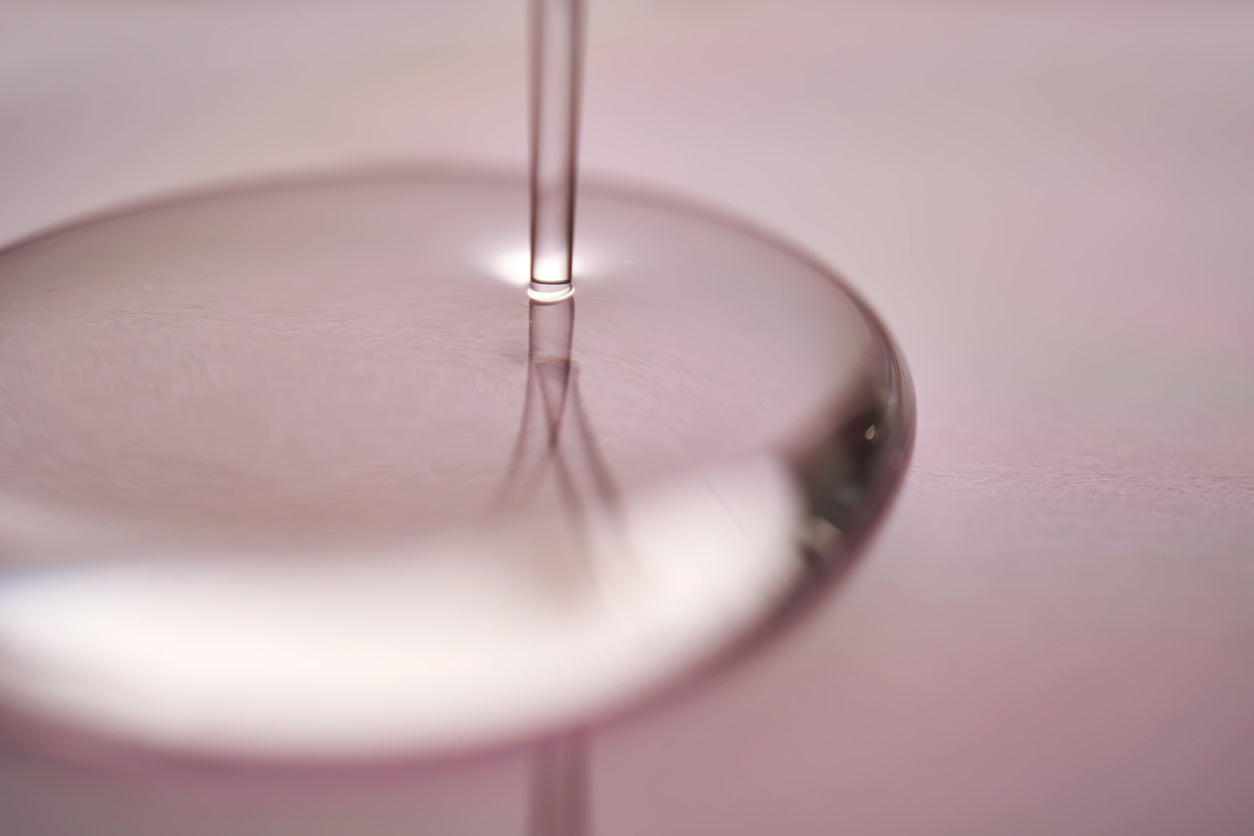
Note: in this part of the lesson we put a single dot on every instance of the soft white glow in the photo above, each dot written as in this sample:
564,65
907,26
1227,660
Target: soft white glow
450,642
550,269
513,266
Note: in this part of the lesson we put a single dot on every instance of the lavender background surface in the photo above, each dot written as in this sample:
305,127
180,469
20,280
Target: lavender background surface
1051,206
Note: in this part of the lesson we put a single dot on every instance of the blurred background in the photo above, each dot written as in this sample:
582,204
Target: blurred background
1049,203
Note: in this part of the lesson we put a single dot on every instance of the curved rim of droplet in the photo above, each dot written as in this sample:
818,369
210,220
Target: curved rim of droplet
43,737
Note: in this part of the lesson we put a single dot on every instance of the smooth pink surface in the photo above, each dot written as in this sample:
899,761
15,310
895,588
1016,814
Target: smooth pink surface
1049,203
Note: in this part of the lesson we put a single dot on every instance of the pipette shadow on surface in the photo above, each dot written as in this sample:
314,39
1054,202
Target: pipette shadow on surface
558,794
